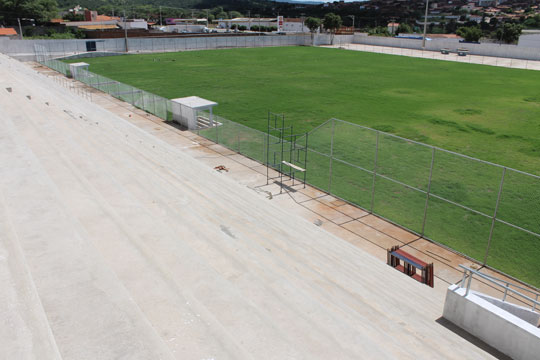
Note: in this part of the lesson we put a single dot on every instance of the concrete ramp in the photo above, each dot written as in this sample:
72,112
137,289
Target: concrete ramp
115,245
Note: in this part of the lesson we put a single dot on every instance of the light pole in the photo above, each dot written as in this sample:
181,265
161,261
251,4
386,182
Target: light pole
20,28
425,26
125,31
160,23
352,22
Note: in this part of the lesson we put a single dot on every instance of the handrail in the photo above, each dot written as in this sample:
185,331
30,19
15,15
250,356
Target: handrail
500,283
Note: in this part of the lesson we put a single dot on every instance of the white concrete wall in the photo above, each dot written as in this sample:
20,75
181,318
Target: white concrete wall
482,49
493,325
524,313
24,49
529,40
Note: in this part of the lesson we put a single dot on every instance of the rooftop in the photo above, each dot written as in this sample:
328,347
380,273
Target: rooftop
7,31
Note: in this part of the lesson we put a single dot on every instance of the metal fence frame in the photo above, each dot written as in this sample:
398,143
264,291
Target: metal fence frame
428,193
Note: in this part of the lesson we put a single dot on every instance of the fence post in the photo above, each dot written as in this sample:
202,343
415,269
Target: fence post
428,191
265,156
217,132
494,215
154,97
331,157
374,173
238,141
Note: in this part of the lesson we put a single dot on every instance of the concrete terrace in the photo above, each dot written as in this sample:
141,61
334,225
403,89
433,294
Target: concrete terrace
117,240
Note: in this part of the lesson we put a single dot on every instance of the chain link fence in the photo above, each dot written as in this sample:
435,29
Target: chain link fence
485,211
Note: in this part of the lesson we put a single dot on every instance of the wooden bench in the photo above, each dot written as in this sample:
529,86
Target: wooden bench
462,52
293,166
410,264
445,51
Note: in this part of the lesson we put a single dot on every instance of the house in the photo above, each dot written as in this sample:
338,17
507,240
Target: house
134,24
392,27
486,3
294,25
8,32
247,22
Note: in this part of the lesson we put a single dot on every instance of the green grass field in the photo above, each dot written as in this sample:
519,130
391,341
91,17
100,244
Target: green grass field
487,112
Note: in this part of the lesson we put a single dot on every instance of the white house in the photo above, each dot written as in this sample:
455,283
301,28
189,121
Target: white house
294,25
392,27
134,24
289,24
247,22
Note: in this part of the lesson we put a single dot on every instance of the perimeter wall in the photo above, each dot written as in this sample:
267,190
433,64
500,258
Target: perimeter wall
24,49
482,49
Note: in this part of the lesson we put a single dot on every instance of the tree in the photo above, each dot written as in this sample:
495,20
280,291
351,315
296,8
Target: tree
470,33
379,31
71,16
234,14
533,22
40,10
403,28
312,24
509,33
332,23
450,27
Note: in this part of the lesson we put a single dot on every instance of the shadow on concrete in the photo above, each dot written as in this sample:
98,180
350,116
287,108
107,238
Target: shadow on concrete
472,339
285,186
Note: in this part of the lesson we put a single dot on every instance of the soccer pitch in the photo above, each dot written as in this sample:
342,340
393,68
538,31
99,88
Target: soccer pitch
487,112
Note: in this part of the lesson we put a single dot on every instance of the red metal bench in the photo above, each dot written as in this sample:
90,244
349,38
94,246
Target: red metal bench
410,264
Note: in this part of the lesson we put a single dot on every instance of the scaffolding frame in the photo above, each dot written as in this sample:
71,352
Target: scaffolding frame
290,157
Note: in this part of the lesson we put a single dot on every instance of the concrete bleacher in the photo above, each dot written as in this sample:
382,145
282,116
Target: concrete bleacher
114,244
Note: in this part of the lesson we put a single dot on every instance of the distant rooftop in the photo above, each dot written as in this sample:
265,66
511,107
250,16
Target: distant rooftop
7,31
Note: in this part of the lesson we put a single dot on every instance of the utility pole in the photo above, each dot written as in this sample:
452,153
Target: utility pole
160,23
249,20
207,18
20,28
425,26
125,31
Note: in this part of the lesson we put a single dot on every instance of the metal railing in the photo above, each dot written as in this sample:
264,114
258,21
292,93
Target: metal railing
468,274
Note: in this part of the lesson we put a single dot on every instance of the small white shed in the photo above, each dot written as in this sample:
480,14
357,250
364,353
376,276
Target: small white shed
75,67
185,111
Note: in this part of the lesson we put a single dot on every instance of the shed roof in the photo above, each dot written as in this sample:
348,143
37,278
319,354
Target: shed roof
195,102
